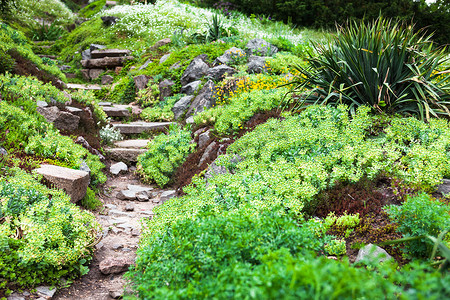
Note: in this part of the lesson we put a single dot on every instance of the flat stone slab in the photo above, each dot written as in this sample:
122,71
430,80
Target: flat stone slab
105,104
139,127
105,62
133,144
124,154
74,86
73,182
114,111
101,53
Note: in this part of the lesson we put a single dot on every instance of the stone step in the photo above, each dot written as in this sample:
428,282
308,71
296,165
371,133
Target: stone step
73,182
47,56
111,3
101,53
75,86
126,155
140,127
133,144
116,111
105,62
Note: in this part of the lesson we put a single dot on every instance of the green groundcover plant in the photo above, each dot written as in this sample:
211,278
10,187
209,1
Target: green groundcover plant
383,64
164,155
43,236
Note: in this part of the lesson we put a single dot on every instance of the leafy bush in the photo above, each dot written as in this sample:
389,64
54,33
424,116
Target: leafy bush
420,215
46,32
161,111
164,155
90,201
6,63
384,65
43,236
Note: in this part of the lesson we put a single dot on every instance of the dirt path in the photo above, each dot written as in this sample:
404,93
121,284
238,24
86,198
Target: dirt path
121,231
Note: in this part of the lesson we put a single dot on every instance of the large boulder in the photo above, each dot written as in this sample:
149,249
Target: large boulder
257,64
191,88
219,72
181,106
115,265
196,70
62,120
205,99
373,254
73,182
165,89
260,47
230,55
140,82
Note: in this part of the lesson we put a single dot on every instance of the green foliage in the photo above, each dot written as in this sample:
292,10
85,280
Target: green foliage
43,236
92,8
150,95
5,5
6,63
284,63
336,247
90,201
46,32
109,134
24,129
12,40
162,111
419,216
231,117
384,65
164,155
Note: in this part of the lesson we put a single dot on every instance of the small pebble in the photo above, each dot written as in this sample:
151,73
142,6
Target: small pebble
129,207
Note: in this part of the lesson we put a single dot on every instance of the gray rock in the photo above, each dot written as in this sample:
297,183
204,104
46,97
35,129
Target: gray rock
45,291
165,89
116,246
203,139
139,127
140,82
117,213
138,188
129,207
257,64
101,53
146,64
84,167
181,106
215,169
118,220
62,120
218,73
175,66
15,296
116,111
164,58
115,265
196,70
160,44
65,68
126,155
94,47
109,20
73,182
166,195
107,79
81,141
204,100
106,62
105,103
190,120
208,153
3,151
229,55
110,206
135,232
126,249
41,104
99,246
260,47
373,254
444,188
116,294
74,110
191,88
86,54
132,144
116,168
126,195
142,197
95,73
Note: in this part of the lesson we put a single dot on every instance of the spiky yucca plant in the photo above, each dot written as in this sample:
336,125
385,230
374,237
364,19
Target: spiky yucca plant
383,64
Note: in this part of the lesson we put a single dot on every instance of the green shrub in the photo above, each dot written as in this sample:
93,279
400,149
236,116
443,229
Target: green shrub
91,9
417,216
161,111
384,65
164,155
90,201
46,32
6,63
43,236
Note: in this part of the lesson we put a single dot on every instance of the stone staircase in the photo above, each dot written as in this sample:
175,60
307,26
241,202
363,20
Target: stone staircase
127,151
140,127
101,59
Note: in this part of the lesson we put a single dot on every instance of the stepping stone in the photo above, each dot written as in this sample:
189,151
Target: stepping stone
102,53
139,188
133,144
115,169
116,111
74,86
124,154
105,104
139,127
105,62
73,182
